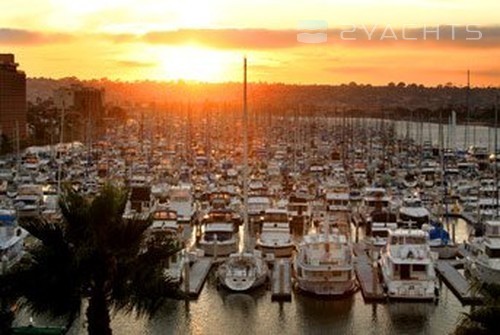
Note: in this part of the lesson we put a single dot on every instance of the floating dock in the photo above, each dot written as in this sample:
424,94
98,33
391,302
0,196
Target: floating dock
367,275
457,283
281,281
195,276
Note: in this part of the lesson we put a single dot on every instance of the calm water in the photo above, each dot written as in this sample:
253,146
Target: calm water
461,137
219,312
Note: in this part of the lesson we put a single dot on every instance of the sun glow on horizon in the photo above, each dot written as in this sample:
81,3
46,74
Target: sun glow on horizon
198,64
197,40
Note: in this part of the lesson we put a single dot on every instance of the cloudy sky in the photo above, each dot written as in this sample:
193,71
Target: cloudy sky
366,41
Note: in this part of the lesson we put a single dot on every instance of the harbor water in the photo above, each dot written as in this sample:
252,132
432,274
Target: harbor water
218,311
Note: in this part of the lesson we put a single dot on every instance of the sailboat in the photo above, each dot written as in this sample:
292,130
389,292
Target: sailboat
245,270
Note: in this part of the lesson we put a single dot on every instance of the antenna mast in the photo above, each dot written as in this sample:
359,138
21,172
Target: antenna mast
245,157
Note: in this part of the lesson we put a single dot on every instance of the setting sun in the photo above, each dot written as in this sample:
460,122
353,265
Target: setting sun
194,63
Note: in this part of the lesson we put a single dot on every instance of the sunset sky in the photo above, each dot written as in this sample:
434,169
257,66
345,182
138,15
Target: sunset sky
206,40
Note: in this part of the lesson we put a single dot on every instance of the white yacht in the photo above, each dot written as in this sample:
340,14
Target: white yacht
243,271
377,229
11,240
219,236
410,180
428,176
165,225
257,205
484,261
407,266
181,200
165,222
299,212
323,264
375,198
413,212
338,210
29,200
275,239
440,242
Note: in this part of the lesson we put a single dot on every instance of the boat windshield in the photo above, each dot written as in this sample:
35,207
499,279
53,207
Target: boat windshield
492,252
220,236
276,217
180,199
377,203
164,215
380,233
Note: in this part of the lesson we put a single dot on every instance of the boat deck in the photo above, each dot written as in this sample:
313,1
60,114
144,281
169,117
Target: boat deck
281,281
195,276
367,275
457,283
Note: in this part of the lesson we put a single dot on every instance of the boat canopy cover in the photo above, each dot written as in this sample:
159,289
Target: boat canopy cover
439,233
7,220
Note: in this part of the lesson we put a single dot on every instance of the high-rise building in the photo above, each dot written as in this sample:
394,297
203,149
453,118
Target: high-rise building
87,101
12,98
85,105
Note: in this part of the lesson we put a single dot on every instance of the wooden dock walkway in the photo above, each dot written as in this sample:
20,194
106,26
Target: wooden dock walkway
368,277
195,276
457,283
281,281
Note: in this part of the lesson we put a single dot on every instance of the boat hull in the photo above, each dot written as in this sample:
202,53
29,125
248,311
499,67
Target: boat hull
242,273
484,273
445,252
277,251
422,290
327,288
242,284
219,249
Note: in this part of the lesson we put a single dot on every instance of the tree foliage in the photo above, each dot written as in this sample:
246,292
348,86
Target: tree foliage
92,253
483,320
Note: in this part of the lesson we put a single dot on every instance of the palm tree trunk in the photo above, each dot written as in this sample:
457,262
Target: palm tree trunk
98,313
6,317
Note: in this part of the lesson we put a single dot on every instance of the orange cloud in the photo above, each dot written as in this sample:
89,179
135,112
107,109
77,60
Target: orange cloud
226,38
359,36
26,37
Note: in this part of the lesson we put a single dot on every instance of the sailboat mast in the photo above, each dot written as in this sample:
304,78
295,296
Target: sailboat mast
61,141
466,142
495,155
245,156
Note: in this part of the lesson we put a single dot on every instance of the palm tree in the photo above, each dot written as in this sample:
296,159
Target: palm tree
483,320
93,253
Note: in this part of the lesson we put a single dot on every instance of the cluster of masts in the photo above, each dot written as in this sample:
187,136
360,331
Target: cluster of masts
252,191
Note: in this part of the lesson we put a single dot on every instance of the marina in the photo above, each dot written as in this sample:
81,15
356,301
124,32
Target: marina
212,227
211,168
211,224
297,211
